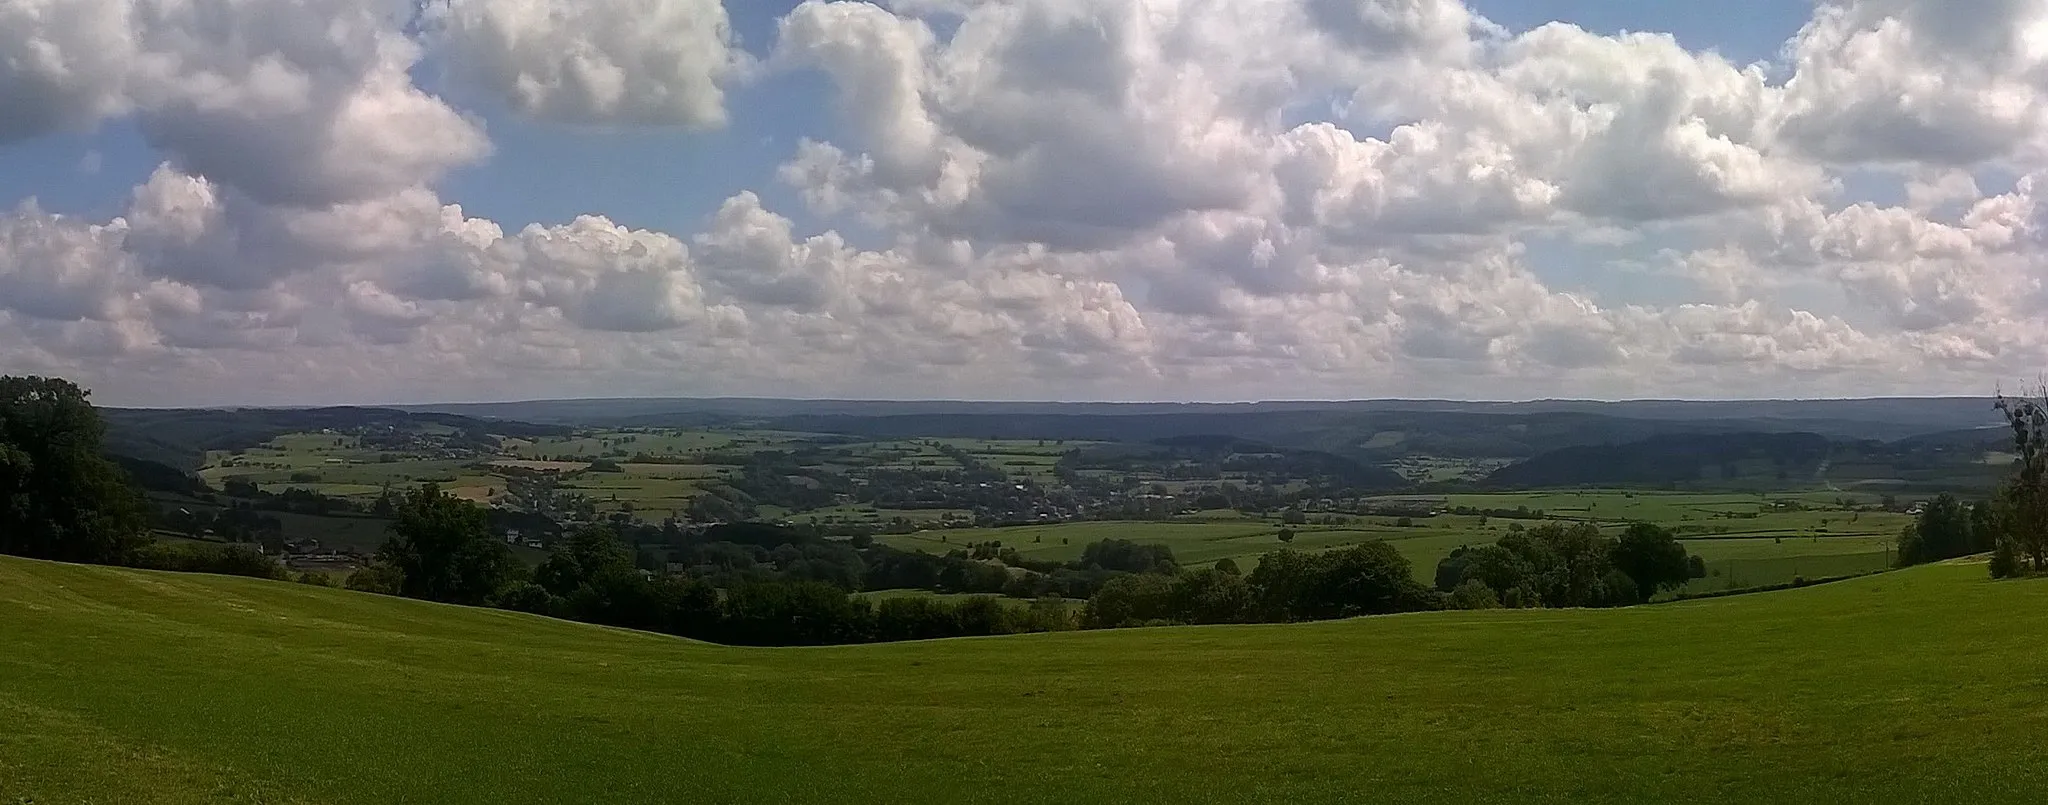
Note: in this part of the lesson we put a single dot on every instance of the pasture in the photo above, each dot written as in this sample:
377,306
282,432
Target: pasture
1746,540
138,687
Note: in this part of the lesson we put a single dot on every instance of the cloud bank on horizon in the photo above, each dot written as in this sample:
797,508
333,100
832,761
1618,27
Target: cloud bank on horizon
1037,199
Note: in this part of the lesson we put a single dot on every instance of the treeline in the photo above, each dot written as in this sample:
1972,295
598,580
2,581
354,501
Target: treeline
1287,586
1948,528
1568,565
441,549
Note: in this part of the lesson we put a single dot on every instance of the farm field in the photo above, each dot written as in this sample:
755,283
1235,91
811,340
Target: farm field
954,598
1745,540
138,687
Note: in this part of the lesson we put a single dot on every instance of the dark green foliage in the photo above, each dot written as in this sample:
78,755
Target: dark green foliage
2005,560
193,557
442,547
155,477
1131,600
915,618
59,499
1573,566
1945,529
180,437
794,614
1368,579
1212,596
1128,556
1652,558
1227,565
1473,594
2025,494
531,597
1667,459
376,577
589,553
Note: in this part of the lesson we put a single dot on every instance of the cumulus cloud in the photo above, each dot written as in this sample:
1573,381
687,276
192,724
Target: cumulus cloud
1031,198
595,62
62,65
1895,81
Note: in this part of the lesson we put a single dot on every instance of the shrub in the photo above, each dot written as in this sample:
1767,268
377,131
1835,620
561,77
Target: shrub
2005,560
230,560
1474,594
376,578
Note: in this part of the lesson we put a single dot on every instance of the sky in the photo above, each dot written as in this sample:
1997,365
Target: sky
282,202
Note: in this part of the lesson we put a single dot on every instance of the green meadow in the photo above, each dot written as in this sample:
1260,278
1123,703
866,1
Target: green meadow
123,686
1746,540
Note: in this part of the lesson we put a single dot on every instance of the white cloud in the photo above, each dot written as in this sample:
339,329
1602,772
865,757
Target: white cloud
1892,81
63,65
595,62
1032,198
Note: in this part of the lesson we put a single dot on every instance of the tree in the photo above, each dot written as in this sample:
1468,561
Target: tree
1473,594
1130,600
1368,579
1942,531
587,554
443,549
2005,560
2025,494
1227,565
1286,535
1128,556
1211,596
1652,559
59,498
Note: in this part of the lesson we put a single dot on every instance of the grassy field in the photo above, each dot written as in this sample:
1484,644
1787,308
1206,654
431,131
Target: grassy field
1772,548
133,687
1019,603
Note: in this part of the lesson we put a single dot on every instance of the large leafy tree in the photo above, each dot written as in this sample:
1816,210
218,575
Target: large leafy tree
1653,559
2025,495
59,498
442,546
1944,530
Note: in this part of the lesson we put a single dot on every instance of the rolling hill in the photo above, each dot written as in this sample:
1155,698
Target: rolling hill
138,687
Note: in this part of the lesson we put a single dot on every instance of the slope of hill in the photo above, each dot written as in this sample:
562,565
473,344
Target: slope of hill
1965,462
1722,458
180,437
137,687
1368,436
1880,418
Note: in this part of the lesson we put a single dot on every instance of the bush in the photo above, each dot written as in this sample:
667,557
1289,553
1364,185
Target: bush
316,579
377,578
229,560
1129,600
1473,594
531,597
2005,560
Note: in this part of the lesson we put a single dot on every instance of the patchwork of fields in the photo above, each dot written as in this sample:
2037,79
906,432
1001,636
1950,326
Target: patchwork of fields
1747,539
141,688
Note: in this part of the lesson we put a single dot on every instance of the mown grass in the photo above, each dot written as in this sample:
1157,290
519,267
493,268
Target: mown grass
136,687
